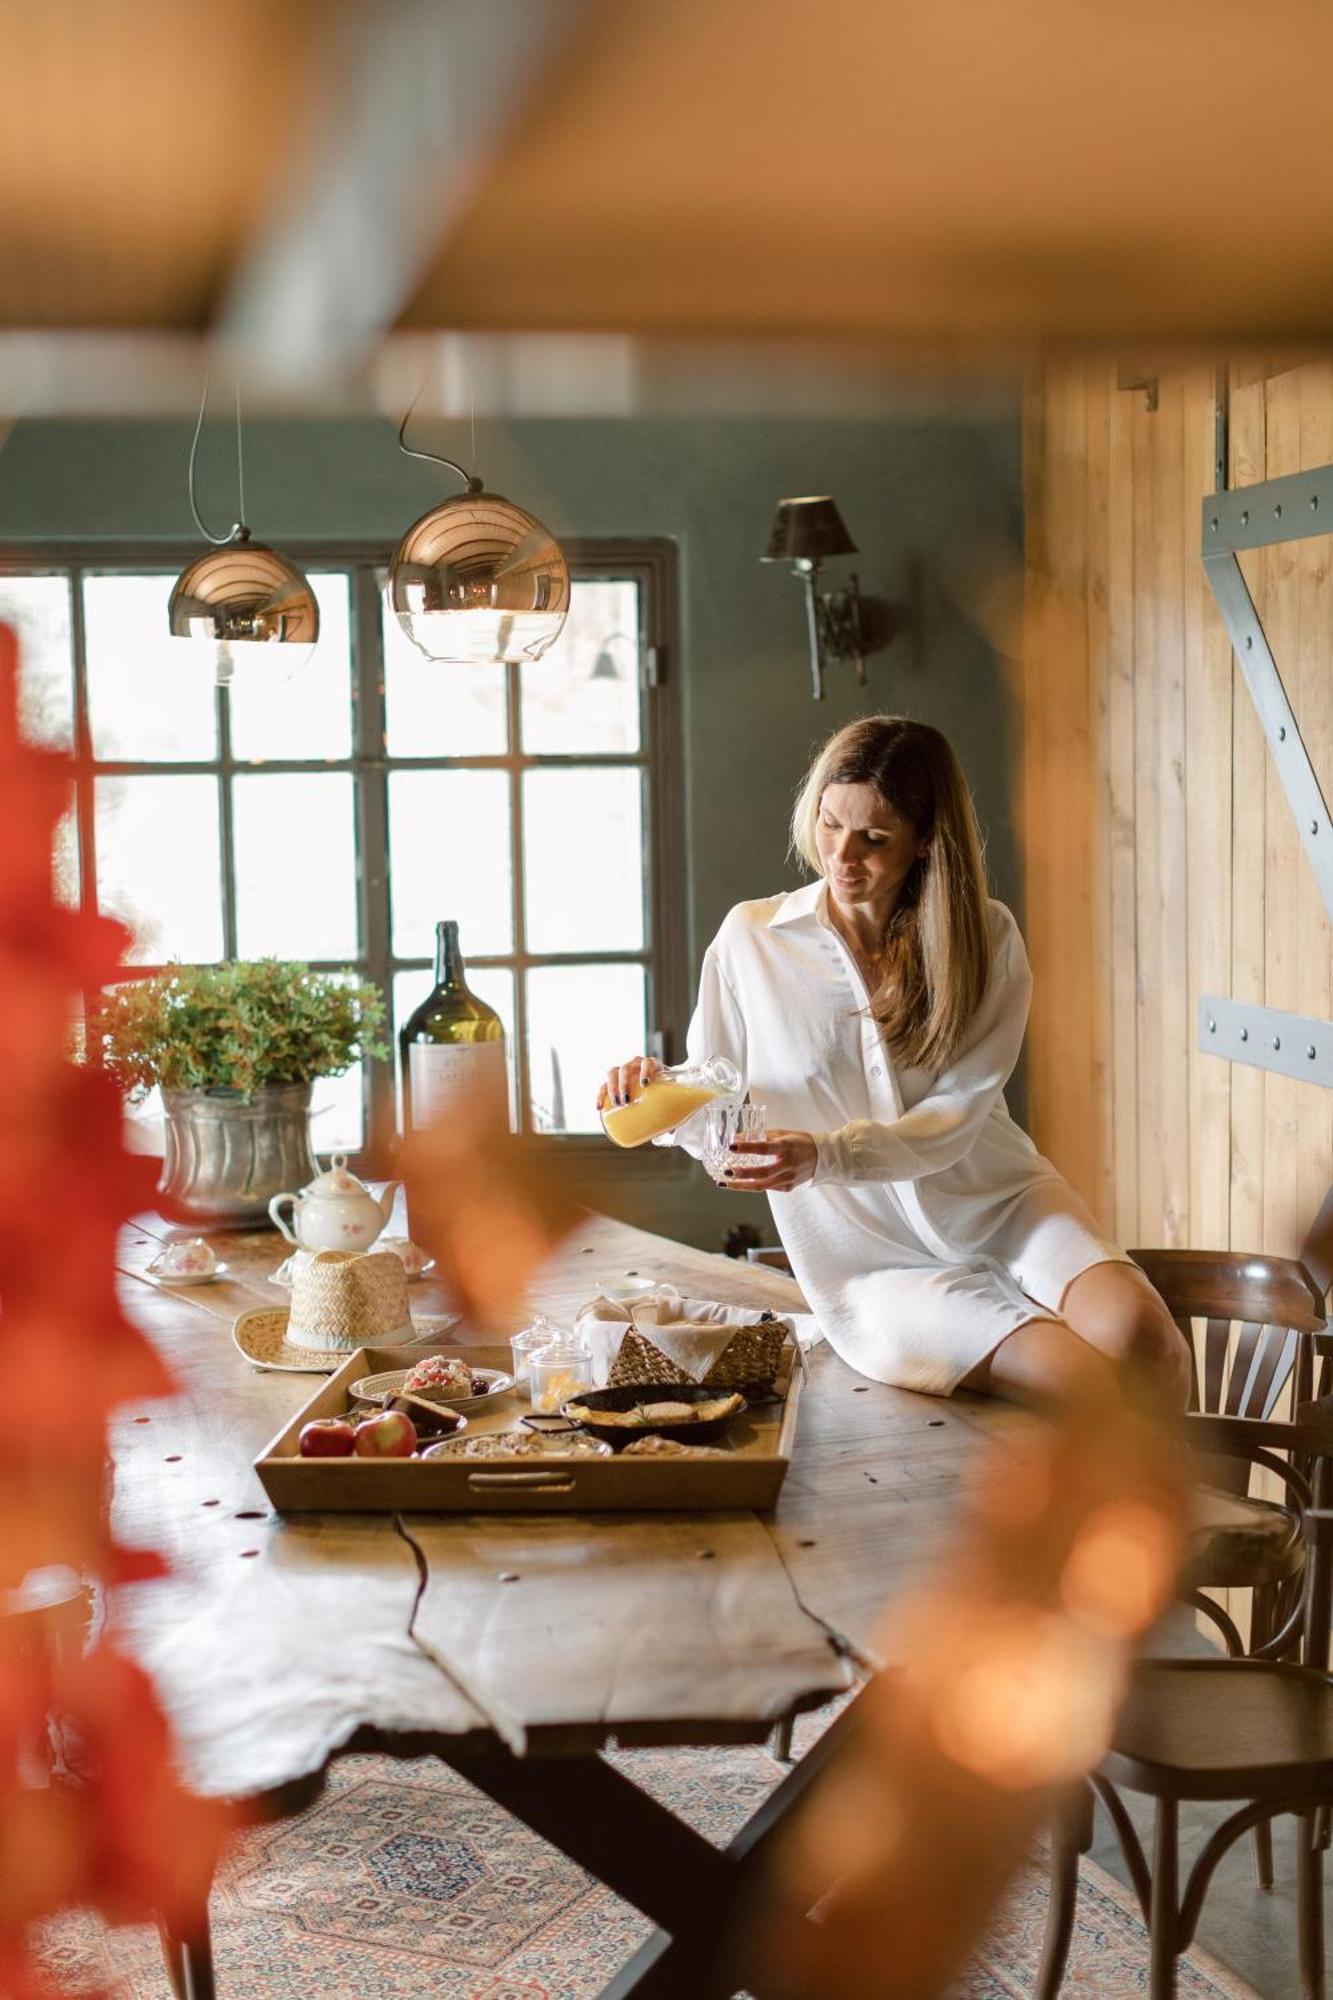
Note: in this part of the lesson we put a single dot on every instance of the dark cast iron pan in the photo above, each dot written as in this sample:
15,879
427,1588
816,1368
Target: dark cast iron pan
626,1396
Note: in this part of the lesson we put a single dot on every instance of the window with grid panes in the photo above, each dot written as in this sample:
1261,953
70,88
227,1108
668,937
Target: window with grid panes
335,815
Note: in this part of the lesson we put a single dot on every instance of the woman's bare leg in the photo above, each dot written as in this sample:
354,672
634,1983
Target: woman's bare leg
1112,1323
1114,1308
1043,1362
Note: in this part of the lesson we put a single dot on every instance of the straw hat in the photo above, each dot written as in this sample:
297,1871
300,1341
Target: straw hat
340,1301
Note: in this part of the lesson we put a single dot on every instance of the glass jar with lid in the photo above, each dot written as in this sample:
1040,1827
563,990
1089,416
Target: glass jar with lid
542,1333
558,1371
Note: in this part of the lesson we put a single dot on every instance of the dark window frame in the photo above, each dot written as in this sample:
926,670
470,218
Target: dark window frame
651,562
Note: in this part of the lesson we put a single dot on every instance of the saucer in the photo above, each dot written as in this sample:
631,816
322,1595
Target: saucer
187,1277
288,1268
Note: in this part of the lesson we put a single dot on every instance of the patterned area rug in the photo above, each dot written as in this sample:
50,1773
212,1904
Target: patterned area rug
404,1880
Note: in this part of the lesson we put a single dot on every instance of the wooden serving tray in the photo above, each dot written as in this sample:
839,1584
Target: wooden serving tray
758,1448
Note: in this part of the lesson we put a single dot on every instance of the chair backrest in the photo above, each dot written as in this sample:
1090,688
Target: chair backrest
1258,1315
1317,1249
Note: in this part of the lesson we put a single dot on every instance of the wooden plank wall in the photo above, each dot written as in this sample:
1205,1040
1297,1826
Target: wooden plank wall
1160,859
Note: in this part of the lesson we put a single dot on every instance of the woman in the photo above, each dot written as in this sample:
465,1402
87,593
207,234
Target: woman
878,1013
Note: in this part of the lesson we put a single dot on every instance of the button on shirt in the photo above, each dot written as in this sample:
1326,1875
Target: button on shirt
915,1169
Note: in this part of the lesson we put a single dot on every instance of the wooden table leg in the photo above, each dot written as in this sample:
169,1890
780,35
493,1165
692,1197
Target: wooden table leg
589,1810
188,1956
664,1968
695,1893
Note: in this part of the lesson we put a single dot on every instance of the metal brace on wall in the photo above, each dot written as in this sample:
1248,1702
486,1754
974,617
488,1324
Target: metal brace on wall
1292,509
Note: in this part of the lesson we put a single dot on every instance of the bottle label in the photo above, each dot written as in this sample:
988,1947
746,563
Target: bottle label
441,1073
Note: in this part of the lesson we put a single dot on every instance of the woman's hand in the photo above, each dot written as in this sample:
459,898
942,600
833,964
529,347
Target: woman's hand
787,1161
624,1083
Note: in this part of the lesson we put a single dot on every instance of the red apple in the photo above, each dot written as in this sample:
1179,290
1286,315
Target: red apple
327,1437
392,1434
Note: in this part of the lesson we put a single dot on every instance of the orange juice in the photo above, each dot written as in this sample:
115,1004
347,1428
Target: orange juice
659,1107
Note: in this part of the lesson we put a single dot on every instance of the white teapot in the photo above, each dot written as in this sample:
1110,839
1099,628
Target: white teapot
336,1211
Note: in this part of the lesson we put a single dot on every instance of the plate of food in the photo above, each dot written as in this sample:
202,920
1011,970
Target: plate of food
687,1412
436,1378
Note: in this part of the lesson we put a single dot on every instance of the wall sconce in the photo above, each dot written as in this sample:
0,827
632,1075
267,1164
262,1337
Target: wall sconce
604,667
842,624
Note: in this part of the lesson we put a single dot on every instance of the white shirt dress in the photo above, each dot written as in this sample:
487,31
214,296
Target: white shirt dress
933,1226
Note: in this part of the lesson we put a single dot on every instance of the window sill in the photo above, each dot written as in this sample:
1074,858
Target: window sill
598,1159
582,1155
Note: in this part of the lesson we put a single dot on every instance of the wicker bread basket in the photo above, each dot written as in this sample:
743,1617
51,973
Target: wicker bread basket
750,1360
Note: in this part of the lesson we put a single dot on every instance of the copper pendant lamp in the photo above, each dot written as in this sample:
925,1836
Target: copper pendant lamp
476,580
240,592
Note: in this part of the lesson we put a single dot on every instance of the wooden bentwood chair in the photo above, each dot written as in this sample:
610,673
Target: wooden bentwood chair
1257,1734
1254,1728
1262,1318
1256,1334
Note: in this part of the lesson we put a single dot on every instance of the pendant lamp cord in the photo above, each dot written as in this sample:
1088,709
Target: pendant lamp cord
240,446
469,479
218,541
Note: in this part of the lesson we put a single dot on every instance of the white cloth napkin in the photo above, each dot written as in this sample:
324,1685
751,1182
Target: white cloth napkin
690,1332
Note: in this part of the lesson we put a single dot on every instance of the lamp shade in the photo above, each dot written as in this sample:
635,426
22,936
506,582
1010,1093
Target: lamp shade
246,593
477,580
807,530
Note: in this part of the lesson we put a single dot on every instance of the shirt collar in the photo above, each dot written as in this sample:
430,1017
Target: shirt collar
800,905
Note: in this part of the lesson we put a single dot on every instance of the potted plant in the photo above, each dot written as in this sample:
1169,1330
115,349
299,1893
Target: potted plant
234,1049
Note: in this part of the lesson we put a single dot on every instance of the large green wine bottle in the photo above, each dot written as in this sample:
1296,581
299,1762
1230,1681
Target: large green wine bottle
452,1044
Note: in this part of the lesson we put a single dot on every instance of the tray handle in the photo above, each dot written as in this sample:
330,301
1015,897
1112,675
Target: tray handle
533,1482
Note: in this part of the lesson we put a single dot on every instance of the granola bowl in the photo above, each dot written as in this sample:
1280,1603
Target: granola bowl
506,1446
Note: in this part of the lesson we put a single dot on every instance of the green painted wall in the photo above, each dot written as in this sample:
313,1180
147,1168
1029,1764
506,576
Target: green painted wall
943,489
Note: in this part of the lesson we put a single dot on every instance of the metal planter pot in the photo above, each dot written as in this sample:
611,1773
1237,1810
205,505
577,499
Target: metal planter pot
228,1154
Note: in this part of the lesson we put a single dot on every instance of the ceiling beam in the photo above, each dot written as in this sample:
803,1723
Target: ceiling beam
415,100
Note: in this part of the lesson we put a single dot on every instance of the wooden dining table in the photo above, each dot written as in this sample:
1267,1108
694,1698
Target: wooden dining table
516,1647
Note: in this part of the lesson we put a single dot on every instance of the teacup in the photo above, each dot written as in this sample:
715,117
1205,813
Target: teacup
185,1258
415,1260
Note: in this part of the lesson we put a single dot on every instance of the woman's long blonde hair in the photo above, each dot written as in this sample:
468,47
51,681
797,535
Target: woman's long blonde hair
937,951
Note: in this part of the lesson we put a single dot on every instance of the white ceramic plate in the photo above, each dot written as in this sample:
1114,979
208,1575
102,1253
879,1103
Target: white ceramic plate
188,1277
371,1388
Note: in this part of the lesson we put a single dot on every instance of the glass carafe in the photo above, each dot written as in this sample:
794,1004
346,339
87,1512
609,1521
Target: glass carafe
672,1097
